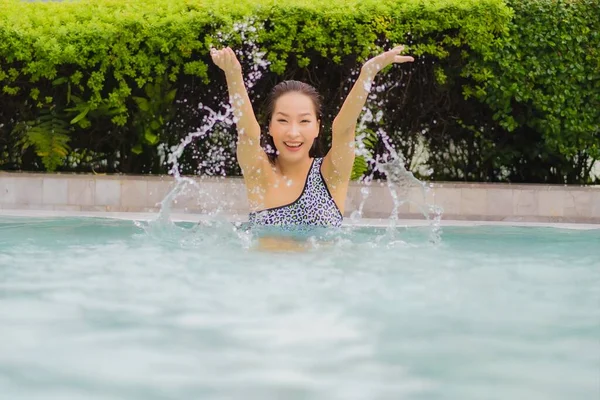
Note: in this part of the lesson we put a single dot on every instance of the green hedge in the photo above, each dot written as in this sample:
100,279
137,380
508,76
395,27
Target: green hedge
542,80
108,85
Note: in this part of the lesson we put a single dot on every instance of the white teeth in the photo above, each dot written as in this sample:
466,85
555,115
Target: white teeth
293,145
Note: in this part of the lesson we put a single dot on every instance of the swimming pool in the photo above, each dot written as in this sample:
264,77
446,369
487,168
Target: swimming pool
106,309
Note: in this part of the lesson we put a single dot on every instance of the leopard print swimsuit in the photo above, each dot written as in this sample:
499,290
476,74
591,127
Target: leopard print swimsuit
314,207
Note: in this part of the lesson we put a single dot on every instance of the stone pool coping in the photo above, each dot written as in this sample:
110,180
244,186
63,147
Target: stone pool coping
513,203
371,222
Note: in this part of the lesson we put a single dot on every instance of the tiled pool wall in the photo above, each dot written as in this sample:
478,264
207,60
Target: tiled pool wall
460,201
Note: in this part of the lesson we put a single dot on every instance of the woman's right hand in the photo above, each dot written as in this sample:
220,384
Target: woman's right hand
376,64
226,60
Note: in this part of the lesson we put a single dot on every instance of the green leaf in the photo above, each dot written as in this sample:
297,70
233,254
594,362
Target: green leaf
142,103
150,137
60,81
170,96
81,116
137,149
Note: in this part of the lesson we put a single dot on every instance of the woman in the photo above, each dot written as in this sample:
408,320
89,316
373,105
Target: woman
286,185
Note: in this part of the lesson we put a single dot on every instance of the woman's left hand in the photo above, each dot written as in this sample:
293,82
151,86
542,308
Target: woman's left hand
393,56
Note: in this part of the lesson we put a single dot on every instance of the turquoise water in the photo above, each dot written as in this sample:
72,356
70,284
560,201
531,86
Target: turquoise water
106,309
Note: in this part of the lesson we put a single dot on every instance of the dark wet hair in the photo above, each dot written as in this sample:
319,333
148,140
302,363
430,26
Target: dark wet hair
279,90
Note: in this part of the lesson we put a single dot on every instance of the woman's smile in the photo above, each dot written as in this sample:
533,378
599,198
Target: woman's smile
293,146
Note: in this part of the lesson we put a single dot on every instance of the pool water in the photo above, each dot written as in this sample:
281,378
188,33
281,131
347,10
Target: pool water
111,309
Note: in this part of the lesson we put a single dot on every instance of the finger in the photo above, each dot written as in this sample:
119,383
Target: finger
219,60
403,59
398,49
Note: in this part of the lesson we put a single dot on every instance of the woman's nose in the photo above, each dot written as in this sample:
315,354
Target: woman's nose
294,130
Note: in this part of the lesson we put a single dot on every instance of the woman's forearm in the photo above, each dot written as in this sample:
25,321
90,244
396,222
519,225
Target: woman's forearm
242,107
347,118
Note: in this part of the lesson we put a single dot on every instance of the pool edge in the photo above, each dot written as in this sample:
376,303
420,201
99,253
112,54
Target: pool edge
375,222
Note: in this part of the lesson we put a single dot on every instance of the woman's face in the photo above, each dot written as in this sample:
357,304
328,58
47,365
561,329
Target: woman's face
294,126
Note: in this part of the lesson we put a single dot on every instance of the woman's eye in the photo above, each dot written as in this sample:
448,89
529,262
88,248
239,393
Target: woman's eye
305,120
281,120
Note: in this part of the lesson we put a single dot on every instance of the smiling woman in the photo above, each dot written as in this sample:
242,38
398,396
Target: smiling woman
296,106
287,183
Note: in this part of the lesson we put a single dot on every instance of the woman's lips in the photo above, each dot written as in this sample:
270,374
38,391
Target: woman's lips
293,146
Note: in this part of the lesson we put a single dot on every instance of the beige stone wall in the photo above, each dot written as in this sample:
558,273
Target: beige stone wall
460,201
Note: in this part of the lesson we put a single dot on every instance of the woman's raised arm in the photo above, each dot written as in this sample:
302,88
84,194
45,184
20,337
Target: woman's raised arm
249,151
337,166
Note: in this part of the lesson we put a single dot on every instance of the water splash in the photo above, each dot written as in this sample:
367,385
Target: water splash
215,125
399,180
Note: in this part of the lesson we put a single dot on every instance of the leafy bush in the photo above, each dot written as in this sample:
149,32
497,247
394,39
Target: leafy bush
112,86
541,80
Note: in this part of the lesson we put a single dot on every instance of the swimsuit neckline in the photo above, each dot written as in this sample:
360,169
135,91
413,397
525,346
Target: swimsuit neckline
299,197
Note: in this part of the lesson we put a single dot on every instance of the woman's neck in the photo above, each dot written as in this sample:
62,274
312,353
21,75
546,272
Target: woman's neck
294,170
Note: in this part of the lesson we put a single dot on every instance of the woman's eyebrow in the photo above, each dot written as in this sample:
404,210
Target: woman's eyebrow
285,115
